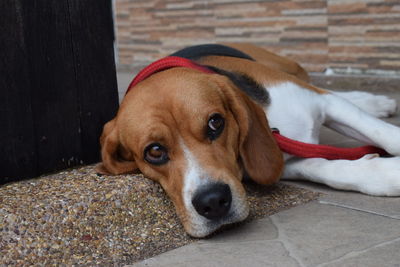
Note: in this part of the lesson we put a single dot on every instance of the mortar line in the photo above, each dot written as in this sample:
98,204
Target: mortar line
282,237
359,252
323,202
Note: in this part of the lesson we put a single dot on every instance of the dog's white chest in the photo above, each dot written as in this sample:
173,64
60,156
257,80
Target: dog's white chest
295,111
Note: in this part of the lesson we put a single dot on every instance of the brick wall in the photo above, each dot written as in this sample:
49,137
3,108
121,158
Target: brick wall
340,34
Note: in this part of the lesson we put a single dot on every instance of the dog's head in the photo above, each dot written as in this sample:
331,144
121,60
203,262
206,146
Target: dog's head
196,134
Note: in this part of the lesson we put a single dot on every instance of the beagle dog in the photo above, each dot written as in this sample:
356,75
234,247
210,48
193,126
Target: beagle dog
198,134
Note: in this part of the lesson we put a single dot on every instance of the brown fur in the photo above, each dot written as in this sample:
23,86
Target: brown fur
172,107
180,116
272,60
260,72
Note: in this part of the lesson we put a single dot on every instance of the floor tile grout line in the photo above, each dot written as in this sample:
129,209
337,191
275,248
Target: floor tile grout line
283,239
359,252
323,202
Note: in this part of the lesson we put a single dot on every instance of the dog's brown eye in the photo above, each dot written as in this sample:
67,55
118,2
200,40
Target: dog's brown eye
215,126
156,154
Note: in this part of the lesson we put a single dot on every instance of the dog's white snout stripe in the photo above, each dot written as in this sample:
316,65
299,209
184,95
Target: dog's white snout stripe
194,176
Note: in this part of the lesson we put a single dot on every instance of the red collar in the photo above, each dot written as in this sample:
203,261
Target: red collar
293,147
164,64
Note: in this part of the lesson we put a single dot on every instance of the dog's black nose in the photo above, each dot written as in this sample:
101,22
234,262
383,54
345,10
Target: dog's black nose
213,201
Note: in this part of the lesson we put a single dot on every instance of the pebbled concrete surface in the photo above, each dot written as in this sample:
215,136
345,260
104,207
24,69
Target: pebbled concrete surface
339,229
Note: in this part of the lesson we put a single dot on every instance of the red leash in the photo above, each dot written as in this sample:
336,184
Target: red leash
293,147
305,150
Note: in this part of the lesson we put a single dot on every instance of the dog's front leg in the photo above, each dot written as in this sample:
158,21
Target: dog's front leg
379,106
371,174
348,119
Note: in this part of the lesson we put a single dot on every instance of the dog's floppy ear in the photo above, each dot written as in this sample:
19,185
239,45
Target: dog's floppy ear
115,158
259,153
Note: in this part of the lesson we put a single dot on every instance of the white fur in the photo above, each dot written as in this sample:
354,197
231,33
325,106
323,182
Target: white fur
341,115
379,106
195,177
370,175
296,112
299,114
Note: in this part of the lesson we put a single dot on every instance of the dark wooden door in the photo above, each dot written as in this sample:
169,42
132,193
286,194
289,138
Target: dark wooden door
57,81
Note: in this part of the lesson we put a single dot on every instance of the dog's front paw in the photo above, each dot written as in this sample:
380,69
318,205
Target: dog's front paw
381,106
381,176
